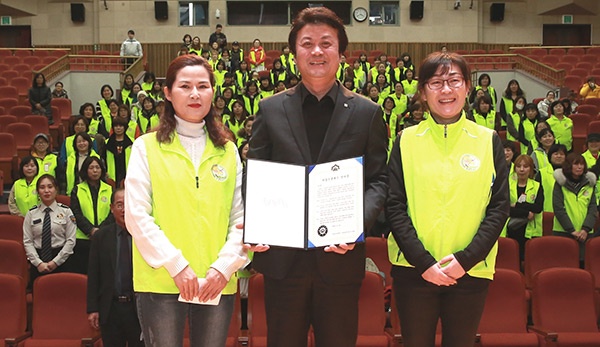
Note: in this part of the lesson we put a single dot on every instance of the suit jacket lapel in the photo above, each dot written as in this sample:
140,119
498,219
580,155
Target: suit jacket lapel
344,107
292,107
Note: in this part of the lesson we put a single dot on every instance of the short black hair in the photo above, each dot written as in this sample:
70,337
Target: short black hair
83,173
318,15
26,160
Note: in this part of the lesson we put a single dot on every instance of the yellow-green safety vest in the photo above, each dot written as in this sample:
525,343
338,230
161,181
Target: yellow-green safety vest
204,197
87,206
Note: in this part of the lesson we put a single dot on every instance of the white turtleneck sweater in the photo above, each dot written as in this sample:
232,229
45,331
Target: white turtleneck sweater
154,246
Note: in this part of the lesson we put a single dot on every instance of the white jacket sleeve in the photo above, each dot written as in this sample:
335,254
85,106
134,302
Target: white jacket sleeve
152,243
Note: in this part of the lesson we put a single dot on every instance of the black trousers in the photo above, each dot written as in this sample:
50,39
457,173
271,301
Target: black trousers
122,327
302,299
80,256
421,304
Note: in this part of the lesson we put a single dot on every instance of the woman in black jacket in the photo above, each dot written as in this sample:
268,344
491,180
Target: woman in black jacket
40,96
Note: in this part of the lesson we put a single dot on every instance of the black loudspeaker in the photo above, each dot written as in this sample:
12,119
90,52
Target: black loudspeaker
416,10
161,10
497,12
77,13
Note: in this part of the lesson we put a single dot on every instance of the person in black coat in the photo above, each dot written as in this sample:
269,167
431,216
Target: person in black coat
110,299
40,96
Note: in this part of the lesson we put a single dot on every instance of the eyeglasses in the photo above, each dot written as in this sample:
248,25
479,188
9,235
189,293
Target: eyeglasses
454,82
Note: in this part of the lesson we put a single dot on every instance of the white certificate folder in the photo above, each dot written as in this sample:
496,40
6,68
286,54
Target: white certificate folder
304,206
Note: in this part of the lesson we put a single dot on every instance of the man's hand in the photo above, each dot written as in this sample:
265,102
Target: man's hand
93,318
342,248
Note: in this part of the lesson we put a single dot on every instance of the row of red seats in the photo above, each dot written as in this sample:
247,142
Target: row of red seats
4,52
12,62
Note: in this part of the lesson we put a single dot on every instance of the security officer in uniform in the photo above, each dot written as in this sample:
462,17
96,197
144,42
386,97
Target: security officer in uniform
48,231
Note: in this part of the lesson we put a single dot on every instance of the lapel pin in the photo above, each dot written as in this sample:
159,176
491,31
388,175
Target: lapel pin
345,105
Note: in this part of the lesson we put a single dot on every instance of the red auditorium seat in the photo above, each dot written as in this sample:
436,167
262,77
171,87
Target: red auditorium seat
39,124
376,249
590,58
564,66
582,73
63,199
592,259
9,92
6,120
504,319
12,228
557,51
563,305
48,60
13,310
549,252
13,260
508,255
585,65
550,60
538,52
11,60
8,163
571,59
573,82
592,110
31,60
24,135
61,295
592,101
23,84
20,111
593,51
576,51
9,75
371,313
594,127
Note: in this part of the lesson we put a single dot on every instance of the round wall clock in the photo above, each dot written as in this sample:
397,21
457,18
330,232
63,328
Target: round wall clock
360,14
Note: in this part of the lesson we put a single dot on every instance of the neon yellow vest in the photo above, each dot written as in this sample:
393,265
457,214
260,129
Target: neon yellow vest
410,88
589,158
563,130
576,206
106,115
529,134
488,122
26,195
516,118
87,206
47,164
147,86
131,128
462,162
547,175
534,226
110,162
491,93
203,232
251,108
144,126
70,173
401,103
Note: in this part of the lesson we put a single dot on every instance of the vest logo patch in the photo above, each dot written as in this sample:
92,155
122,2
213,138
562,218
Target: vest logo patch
218,172
470,162
104,199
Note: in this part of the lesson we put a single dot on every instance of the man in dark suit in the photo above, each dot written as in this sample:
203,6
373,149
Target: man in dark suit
110,299
315,122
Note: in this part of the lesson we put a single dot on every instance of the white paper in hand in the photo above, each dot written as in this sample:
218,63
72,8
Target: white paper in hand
196,300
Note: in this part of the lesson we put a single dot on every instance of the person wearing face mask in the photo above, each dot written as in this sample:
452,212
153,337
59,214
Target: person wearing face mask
574,200
590,89
543,105
561,125
527,128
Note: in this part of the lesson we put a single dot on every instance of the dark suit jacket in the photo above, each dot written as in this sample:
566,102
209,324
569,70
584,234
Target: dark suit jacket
101,270
356,129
